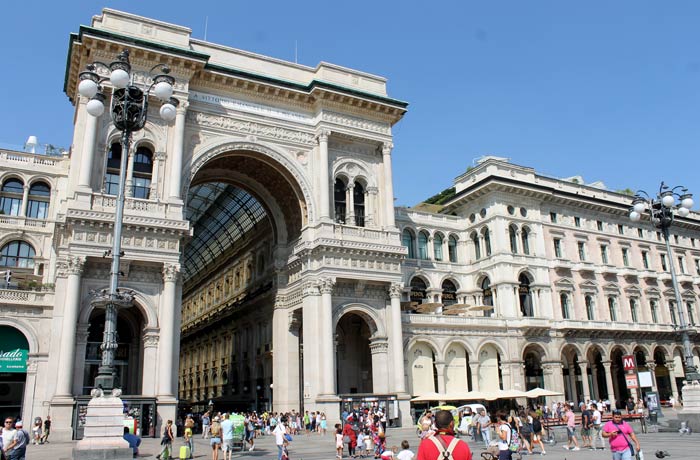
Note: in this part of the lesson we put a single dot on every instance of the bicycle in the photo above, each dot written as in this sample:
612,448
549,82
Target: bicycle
550,439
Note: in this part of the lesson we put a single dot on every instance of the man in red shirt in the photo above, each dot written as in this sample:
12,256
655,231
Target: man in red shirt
432,447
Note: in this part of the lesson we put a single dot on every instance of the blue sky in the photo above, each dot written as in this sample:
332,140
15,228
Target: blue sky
607,90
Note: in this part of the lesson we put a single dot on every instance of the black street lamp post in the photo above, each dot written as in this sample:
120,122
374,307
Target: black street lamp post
129,111
662,211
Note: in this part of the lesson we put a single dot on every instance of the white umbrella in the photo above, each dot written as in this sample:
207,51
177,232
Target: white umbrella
429,397
540,392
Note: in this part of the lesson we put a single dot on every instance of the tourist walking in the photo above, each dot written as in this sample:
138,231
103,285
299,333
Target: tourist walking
227,437
443,443
167,441
505,436
280,431
215,441
350,437
206,427
570,418
339,442
621,436
47,430
537,432
596,434
484,427
36,431
189,442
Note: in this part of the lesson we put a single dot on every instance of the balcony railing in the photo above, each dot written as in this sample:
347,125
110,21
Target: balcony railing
24,297
17,221
101,202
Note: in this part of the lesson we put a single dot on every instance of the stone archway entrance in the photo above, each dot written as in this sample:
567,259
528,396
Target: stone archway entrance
14,351
354,357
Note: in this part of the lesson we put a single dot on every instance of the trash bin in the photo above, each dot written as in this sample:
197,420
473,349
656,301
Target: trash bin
653,417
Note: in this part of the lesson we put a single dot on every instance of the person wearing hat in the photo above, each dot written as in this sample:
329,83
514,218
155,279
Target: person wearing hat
621,436
20,448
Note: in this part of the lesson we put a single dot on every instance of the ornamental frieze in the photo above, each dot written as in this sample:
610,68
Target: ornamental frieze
249,127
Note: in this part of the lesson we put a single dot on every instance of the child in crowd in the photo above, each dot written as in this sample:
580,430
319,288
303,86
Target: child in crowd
339,442
369,443
405,453
361,444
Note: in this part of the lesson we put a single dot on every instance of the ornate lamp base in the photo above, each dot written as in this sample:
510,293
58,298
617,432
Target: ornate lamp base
104,429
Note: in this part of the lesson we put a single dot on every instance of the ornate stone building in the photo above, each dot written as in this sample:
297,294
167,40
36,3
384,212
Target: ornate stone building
271,270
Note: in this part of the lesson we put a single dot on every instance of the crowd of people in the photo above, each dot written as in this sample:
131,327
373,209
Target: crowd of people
15,438
521,431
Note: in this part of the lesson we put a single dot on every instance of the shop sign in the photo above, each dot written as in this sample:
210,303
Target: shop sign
630,366
14,360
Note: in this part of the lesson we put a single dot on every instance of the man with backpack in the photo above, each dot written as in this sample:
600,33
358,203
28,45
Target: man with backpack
443,445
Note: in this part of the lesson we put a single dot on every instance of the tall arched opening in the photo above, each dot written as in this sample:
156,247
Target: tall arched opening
14,351
353,355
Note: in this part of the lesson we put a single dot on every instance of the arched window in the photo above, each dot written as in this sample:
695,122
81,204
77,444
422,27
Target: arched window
339,199
612,308
564,303
418,290
525,297
487,296
512,235
423,245
17,254
39,196
449,293
525,240
358,196
590,308
114,158
487,241
452,248
477,247
143,171
672,310
408,240
11,197
437,246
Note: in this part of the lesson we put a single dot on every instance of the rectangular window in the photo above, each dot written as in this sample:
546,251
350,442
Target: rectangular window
633,311
590,308
692,242
111,184
553,217
640,232
141,187
604,254
675,238
612,307
599,225
691,313
645,259
672,309
577,221
681,264
664,267
697,266
581,251
557,248
658,236
625,257
620,229
654,311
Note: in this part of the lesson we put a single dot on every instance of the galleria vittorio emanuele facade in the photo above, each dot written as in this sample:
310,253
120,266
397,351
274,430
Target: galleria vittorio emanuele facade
271,269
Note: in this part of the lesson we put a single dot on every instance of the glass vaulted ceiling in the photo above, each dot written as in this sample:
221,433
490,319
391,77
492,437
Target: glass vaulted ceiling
221,214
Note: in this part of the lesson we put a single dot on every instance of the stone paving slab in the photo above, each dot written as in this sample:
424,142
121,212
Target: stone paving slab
315,447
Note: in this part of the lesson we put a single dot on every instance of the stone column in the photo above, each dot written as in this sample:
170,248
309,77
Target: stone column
440,369
158,158
475,375
324,175
672,378
609,382
311,321
594,378
388,185
25,200
379,348
396,342
130,173
371,207
81,337
177,153
350,203
326,342
72,269
286,326
553,378
167,368
150,360
583,365
87,153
